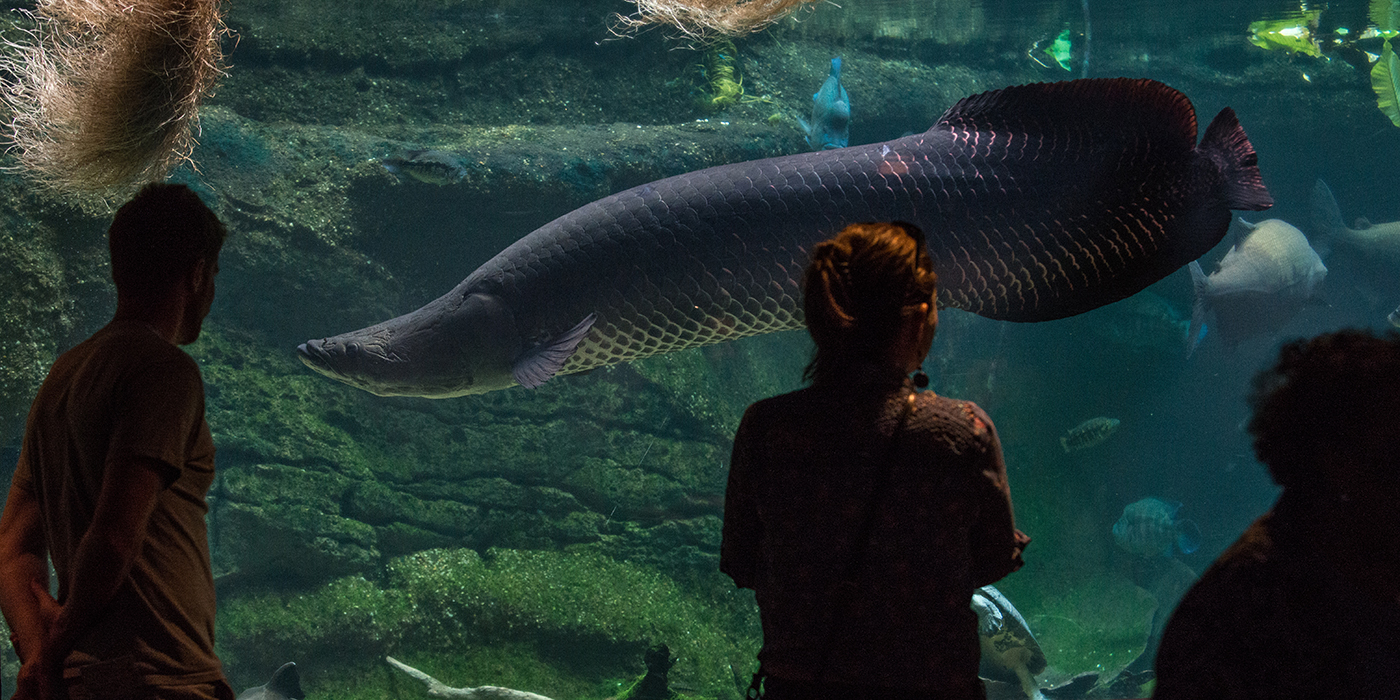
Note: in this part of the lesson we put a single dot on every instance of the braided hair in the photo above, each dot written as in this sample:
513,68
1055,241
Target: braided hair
856,288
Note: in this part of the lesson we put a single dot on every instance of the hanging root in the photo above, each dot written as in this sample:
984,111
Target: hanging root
107,92
702,21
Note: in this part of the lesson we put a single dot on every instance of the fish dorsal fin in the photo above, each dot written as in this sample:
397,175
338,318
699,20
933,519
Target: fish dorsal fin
286,681
1188,538
538,364
1361,224
1118,109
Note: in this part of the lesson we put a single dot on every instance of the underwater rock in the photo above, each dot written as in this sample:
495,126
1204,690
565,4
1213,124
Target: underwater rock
293,544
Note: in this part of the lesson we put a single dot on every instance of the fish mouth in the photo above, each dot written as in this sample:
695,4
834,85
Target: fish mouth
313,354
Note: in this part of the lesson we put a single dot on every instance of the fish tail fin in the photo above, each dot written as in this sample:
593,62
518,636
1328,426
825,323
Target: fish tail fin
836,67
1226,143
1326,216
1201,284
1188,536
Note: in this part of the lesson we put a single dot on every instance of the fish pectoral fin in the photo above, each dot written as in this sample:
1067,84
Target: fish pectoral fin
538,364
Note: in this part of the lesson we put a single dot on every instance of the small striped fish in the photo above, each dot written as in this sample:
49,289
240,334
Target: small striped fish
1089,433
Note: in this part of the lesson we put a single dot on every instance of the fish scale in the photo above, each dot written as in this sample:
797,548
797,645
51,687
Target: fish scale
691,229
1034,206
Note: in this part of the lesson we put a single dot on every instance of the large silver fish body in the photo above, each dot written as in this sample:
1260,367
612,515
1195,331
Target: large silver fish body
1261,283
1038,201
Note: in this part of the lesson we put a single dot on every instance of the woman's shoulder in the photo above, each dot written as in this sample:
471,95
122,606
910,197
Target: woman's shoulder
949,415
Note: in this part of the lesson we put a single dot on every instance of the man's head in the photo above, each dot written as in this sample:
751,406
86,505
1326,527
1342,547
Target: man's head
1329,412
165,246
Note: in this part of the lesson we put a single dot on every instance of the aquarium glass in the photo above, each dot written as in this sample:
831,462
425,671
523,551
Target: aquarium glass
368,155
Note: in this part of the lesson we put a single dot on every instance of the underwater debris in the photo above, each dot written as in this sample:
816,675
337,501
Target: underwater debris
655,684
703,21
107,94
1089,433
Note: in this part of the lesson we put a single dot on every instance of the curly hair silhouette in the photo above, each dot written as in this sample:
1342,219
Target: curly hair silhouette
107,93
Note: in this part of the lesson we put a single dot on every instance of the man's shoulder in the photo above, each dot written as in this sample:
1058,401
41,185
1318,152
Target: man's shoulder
117,354
138,345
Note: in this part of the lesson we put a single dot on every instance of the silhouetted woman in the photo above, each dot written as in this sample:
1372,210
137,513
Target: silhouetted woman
862,511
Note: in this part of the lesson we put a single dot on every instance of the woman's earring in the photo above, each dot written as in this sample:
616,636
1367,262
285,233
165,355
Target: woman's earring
920,378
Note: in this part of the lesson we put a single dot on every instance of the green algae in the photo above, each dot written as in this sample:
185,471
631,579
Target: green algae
577,621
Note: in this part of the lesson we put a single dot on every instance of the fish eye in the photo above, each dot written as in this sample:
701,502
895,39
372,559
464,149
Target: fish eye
352,349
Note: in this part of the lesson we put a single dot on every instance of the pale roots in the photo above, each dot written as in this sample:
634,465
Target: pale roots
106,93
702,21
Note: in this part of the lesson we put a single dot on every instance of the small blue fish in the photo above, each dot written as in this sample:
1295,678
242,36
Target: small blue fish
831,113
1150,528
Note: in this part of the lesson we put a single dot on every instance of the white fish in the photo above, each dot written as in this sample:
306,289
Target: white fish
1259,285
284,685
1371,240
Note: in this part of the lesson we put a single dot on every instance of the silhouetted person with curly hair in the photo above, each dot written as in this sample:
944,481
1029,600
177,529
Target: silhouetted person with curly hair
111,482
862,512
1306,604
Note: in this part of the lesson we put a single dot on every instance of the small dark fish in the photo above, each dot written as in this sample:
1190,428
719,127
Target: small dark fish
432,167
831,113
284,685
1150,528
1089,433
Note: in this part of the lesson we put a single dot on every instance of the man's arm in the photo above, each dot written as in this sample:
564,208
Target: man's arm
23,567
106,551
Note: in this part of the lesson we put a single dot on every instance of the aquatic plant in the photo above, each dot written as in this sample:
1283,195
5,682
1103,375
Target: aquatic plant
1384,81
721,89
107,93
703,21
1295,32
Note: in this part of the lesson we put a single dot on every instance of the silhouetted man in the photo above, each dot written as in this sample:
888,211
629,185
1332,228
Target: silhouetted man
1306,603
111,482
